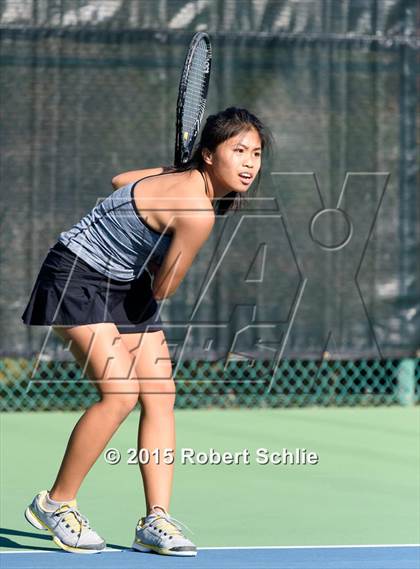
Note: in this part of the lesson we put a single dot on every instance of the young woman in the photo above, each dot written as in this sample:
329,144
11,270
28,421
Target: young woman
98,288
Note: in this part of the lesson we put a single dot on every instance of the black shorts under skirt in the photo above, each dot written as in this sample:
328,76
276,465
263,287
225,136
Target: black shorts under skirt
69,292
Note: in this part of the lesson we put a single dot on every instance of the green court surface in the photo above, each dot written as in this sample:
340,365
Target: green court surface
364,490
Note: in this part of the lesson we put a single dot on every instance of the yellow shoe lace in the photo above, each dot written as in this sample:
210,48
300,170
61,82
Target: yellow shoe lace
165,523
166,526
72,517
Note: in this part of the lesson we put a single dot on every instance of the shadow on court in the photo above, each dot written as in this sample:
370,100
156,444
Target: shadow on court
9,544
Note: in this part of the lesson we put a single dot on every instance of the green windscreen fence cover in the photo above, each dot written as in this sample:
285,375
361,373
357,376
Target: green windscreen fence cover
323,258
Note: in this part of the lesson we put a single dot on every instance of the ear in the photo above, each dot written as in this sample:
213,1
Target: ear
207,156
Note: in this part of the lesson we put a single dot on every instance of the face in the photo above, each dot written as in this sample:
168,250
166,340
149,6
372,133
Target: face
236,162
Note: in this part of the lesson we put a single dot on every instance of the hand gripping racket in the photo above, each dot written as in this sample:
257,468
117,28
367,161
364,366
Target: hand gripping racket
192,96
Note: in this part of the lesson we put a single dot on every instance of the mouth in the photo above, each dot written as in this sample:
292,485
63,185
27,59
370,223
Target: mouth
246,178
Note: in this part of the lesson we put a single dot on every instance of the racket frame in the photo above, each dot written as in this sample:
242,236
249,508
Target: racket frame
183,150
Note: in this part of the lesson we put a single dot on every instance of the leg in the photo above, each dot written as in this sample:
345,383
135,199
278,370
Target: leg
157,421
98,348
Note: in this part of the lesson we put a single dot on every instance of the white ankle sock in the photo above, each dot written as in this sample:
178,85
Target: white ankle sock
50,505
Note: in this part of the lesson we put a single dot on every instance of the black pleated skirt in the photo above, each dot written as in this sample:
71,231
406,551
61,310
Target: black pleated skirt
69,292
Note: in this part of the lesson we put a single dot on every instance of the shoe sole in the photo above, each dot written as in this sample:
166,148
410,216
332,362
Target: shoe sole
153,548
33,519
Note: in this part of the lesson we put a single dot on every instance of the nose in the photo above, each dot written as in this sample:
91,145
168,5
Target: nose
248,162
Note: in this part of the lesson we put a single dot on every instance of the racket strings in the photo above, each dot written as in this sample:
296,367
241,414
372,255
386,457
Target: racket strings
195,92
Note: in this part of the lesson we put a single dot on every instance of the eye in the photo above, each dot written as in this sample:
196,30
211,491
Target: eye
239,149
257,154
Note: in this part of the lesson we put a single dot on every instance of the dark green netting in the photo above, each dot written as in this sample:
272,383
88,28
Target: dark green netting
88,90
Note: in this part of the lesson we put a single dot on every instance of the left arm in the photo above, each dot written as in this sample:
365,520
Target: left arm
190,234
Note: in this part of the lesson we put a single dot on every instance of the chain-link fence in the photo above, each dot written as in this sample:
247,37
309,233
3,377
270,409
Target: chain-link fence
61,384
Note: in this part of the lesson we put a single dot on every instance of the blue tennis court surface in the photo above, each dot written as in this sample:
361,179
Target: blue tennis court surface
359,557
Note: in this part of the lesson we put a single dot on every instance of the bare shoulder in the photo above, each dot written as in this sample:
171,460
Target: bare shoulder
196,217
197,209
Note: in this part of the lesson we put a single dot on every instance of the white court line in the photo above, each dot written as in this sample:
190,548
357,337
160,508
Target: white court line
313,546
113,550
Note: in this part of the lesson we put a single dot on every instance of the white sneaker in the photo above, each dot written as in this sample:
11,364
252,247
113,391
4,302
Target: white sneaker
162,534
70,530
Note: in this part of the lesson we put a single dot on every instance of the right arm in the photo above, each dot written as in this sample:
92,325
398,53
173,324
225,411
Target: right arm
190,233
133,175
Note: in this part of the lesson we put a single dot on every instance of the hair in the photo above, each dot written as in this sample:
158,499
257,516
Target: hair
217,129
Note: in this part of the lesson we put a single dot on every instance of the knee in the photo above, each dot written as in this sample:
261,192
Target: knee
158,395
119,405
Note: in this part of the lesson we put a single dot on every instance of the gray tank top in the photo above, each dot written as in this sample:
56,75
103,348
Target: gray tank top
114,239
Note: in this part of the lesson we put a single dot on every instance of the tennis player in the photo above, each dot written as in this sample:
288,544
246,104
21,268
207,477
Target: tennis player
98,288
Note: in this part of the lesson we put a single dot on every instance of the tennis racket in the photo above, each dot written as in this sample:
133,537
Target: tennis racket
192,96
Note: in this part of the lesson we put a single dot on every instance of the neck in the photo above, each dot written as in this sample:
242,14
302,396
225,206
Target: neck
213,189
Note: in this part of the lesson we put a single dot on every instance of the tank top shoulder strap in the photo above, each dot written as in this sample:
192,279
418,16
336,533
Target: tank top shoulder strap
137,211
